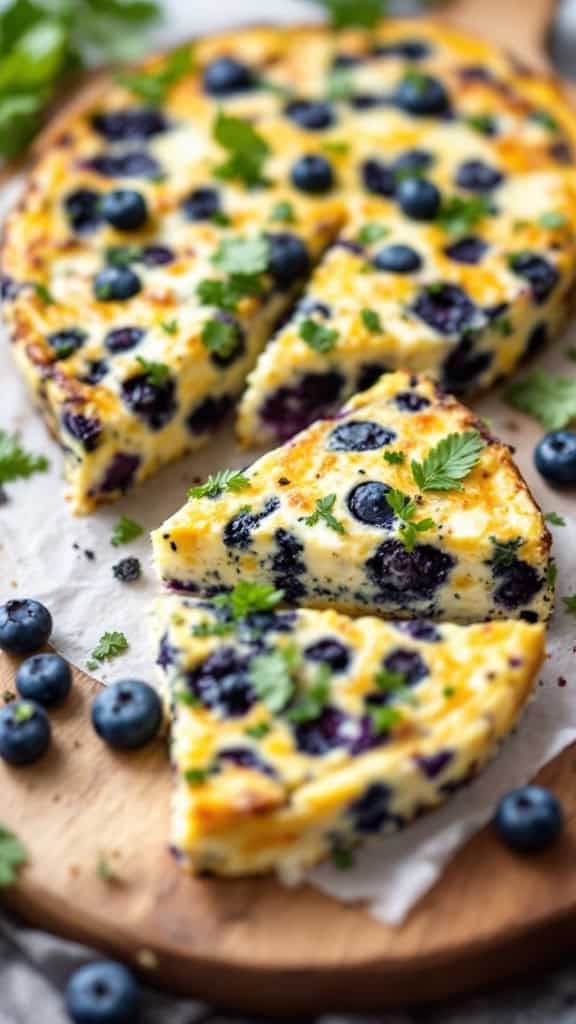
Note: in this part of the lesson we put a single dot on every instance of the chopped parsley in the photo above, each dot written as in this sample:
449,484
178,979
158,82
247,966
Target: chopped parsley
554,519
15,462
385,718
154,86
170,326
372,232
283,212
258,731
339,84
371,320
394,458
458,215
110,645
125,530
570,604
223,480
226,294
483,123
549,397
157,374
122,255
337,147
505,552
448,462
323,511
389,681
204,629
44,294
312,701
219,337
353,13
317,336
243,255
247,150
504,326
341,853
250,597
405,509
196,776
552,219
551,574
104,869
272,676
544,118
12,856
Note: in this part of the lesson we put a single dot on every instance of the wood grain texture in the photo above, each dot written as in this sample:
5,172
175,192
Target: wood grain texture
254,945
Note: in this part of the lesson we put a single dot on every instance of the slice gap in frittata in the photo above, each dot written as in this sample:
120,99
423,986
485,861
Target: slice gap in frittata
298,733
402,505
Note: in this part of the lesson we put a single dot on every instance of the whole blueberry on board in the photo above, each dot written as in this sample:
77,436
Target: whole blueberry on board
116,284
45,678
529,819
419,199
24,732
125,209
25,626
128,714
312,173
103,992
555,457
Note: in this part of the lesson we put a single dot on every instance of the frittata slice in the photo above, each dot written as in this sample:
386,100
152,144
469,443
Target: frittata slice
297,734
401,505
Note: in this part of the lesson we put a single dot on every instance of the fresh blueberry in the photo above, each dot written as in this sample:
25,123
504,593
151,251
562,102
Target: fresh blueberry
541,275
409,49
202,204
122,339
153,403
320,735
226,76
419,199
120,473
96,370
85,429
465,365
561,152
124,209
409,663
127,570
238,531
529,819
82,208
116,284
25,626
314,115
419,629
411,401
477,176
289,260
67,341
312,173
290,409
432,765
24,732
422,95
378,178
330,652
156,255
398,259
470,250
520,583
222,683
127,714
370,811
103,992
208,415
45,678
136,163
367,503
366,101
413,161
129,123
555,457
445,307
359,436
403,576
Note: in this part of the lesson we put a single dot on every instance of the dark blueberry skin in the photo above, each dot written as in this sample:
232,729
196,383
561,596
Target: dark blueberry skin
130,123
464,366
367,503
322,734
25,626
370,812
537,339
64,343
128,570
398,259
244,757
127,715
86,429
419,629
226,76
520,583
347,60
289,409
330,652
418,199
313,115
95,372
125,209
134,164
378,178
529,819
222,683
313,174
123,339
103,992
422,96
470,250
116,284
154,403
555,457
24,732
411,401
433,765
406,576
409,49
476,176
359,436
202,204
45,678
409,663
156,255
541,275
446,307
288,564
289,260
120,472
209,414
82,209
238,531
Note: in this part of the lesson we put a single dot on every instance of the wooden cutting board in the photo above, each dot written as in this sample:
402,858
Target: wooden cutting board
253,945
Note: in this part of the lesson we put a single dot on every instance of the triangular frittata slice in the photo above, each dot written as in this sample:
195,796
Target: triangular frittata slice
296,734
401,505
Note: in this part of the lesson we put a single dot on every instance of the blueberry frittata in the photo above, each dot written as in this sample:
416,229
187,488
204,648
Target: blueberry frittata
394,506
418,179
297,734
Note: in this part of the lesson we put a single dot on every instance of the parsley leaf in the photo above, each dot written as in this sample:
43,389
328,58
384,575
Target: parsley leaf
110,645
554,519
157,374
505,552
448,462
551,574
545,119
389,681
224,480
250,597
122,255
226,294
219,337
318,337
15,462
342,853
405,509
483,123
204,629
170,326
458,215
394,458
154,86
313,700
196,776
125,530
258,730
283,212
550,398
323,510
552,219
12,856
372,232
44,294
246,148
385,718
272,677
353,13
570,604
371,320
339,84
243,255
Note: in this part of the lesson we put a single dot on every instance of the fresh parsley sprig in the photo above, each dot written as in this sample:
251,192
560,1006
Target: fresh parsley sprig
110,645
250,597
505,553
323,511
247,150
448,462
125,530
459,215
549,397
218,483
272,676
154,86
353,13
554,519
12,856
157,374
317,336
404,508
15,462
569,603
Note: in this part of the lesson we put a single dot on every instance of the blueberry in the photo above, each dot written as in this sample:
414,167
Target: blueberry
330,652
128,714
45,678
398,259
222,683
312,173
477,176
244,757
418,629
370,811
366,101
529,819
24,732
541,275
124,209
412,160
470,250
103,992
202,204
288,563
226,76
464,365
120,472
520,583
555,457
154,403
290,409
403,576
409,49
409,663
208,415
238,531
322,734
67,341
96,370
422,95
156,255
314,115
359,436
82,209
418,199
367,503
378,178
122,339
127,570
115,284
561,152
432,765
445,307
85,429
289,260
25,626
411,401
130,123
347,60
136,163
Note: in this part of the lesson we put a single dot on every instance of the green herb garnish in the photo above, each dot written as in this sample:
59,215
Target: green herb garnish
458,215
318,337
204,629
371,320
323,511
122,255
12,856
372,232
220,338
154,86
554,519
157,374
272,677
313,700
551,574
258,731
405,509
483,123
44,294
225,480
170,326
448,462
552,219
545,119
570,604
384,718
125,530
283,212
15,462
505,552
394,458
247,150
250,597
196,776
353,13
342,853
110,645
550,398
243,255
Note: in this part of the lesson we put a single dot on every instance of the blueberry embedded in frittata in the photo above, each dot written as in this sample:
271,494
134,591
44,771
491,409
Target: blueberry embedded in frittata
298,734
395,506
440,172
